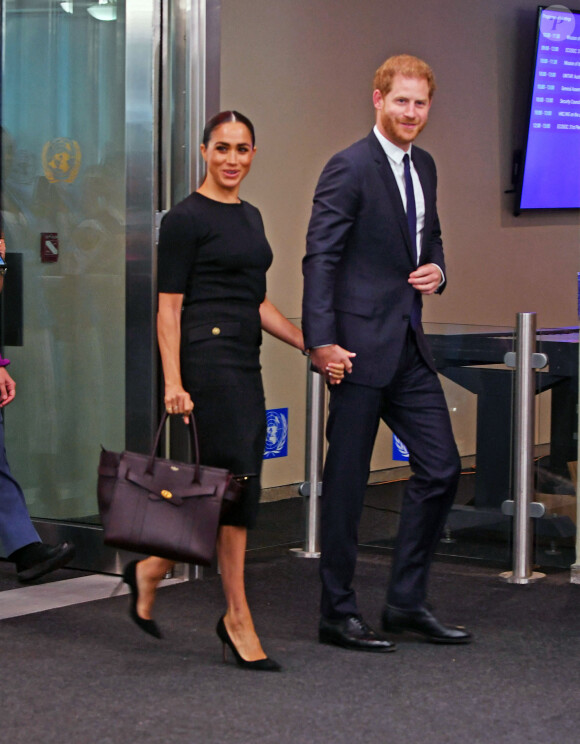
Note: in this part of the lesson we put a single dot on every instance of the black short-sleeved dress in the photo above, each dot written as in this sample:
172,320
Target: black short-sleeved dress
217,255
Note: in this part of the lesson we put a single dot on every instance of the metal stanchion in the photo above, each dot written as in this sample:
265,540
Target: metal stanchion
312,487
522,508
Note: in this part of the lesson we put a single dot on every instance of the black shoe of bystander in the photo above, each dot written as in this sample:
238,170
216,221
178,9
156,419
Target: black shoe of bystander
37,559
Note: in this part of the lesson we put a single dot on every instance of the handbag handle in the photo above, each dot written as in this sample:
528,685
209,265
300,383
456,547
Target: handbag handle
194,441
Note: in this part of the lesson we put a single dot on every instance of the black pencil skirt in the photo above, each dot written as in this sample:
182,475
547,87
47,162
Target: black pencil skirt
220,368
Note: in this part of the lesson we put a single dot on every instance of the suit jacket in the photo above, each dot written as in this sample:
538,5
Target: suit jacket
359,256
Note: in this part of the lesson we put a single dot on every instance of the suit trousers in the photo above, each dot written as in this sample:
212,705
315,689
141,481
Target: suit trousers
414,407
16,529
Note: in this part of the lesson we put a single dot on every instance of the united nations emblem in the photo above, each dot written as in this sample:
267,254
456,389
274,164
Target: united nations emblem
400,451
277,433
61,160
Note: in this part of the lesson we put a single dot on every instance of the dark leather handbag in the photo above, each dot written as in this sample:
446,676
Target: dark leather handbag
162,507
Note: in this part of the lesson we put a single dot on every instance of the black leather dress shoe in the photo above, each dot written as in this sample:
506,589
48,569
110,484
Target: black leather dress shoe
421,621
37,559
352,632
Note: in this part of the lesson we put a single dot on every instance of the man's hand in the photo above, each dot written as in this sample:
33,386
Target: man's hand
7,388
331,355
426,279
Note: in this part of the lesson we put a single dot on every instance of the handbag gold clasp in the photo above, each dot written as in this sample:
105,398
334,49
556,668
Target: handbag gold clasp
166,494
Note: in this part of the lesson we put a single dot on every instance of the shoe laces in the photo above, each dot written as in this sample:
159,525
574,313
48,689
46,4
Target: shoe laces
360,623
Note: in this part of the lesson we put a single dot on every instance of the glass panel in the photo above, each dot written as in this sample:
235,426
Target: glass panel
556,447
63,208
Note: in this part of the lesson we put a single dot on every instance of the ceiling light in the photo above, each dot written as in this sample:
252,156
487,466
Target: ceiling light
104,10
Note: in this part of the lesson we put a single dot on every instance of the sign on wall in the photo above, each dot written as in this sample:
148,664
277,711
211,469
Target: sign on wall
400,452
277,433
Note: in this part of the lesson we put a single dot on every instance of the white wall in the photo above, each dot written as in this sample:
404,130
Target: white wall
303,73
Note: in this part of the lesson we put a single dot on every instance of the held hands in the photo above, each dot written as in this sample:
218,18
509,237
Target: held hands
332,362
7,388
334,373
426,279
177,400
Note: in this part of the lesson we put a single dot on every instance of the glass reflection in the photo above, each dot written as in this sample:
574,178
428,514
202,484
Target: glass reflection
63,210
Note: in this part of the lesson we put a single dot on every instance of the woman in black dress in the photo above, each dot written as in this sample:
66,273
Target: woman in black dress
213,258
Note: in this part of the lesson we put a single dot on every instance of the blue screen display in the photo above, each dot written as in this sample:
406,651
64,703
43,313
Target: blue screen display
551,173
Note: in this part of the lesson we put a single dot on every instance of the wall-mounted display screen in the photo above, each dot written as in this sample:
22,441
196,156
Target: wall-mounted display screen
550,177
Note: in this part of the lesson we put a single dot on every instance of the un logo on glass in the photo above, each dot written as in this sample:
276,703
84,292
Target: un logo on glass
61,160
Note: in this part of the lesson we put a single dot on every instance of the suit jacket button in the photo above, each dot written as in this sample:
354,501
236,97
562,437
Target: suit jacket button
216,331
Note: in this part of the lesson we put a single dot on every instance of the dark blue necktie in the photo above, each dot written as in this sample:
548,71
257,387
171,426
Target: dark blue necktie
411,207
412,222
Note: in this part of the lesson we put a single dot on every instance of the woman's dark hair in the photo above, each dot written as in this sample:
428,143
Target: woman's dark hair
222,118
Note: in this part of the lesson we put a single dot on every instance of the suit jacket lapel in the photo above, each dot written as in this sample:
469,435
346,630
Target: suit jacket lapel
388,178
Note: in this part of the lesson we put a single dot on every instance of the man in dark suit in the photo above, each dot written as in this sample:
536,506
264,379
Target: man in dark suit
373,250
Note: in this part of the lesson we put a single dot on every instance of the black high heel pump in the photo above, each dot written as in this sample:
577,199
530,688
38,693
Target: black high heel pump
260,665
130,578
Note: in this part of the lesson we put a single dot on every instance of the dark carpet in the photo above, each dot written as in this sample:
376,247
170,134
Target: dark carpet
86,674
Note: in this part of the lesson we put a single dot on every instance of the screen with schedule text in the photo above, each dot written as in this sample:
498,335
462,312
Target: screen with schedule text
551,172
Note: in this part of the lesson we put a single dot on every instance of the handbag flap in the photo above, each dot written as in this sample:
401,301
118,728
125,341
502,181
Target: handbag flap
168,480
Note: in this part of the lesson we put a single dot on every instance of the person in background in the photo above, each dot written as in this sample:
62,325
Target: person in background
213,258
18,537
374,250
